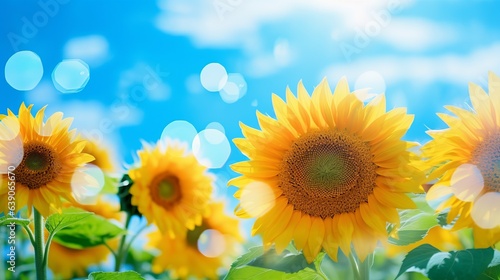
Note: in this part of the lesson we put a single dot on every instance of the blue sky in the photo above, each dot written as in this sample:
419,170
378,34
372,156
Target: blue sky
421,54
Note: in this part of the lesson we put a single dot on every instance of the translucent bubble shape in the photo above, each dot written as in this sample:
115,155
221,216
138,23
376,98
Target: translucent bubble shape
213,77
11,154
485,210
234,89
216,125
86,183
182,131
24,70
9,128
71,75
467,182
257,198
211,243
211,148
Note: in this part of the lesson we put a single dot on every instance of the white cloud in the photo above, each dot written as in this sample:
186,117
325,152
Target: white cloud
93,49
236,23
262,63
451,68
143,82
414,34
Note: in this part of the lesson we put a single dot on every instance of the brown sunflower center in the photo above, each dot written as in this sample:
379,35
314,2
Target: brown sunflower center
326,173
165,190
193,236
39,166
486,157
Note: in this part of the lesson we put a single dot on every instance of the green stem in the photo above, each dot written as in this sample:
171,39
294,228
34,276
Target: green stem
365,266
30,234
110,249
47,249
353,260
41,269
120,253
127,247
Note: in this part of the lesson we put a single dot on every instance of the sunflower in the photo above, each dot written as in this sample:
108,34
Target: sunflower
327,173
43,156
203,250
102,156
171,189
439,237
467,157
81,259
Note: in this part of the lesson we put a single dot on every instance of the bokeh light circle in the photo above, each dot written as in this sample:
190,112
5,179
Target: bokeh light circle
87,181
257,198
71,75
180,130
230,93
9,128
235,88
12,152
467,182
24,70
216,125
211,243
211,148
213,77
485,210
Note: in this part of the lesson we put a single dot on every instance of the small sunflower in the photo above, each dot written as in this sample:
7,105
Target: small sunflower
171,189
203,250
102,156
45,156
81,259
328,173
468,156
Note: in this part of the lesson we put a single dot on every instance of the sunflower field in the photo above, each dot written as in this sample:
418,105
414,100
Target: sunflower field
249,140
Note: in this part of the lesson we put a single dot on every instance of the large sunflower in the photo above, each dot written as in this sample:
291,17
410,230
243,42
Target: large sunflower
203,250
170,187
81,259
43,157
468,156
330,171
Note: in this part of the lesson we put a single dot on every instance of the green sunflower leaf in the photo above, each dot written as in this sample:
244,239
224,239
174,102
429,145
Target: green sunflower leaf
286,261
69,216
491,273
6,220
125,196
416,260
91,231
463,264
129,275
258,264
406,237
252,272
252,254
414,227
